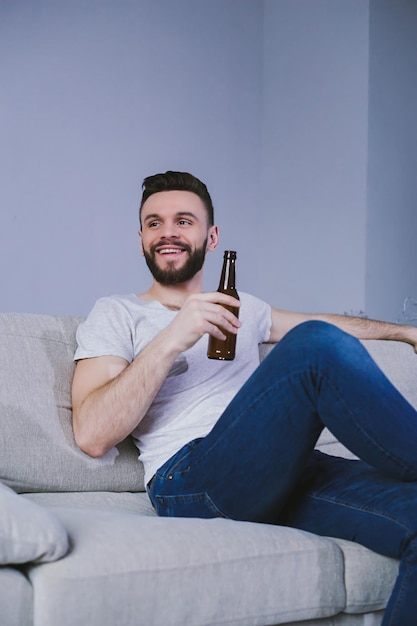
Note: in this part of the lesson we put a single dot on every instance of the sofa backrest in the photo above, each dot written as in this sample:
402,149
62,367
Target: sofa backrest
37,448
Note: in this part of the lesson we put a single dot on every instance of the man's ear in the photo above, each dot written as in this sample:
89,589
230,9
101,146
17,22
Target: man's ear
213,238
141,243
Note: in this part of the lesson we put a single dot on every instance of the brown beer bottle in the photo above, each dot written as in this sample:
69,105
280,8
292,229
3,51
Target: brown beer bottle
217,348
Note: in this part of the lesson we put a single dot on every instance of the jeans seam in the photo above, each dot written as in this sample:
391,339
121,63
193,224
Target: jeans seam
267,392
365,509
177,498
404,582
171,469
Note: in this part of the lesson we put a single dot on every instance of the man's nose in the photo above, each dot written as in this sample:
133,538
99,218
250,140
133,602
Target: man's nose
169,231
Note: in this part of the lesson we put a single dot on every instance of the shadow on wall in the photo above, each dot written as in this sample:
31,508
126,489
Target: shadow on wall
409,312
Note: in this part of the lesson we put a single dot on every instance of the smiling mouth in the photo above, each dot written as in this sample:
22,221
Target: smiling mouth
170,250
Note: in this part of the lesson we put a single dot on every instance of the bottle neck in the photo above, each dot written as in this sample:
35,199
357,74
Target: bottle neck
228,275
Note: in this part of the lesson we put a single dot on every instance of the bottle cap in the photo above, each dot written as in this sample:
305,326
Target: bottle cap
229,254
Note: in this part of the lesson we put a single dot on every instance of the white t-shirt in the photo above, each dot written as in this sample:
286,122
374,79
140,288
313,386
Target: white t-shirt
196,390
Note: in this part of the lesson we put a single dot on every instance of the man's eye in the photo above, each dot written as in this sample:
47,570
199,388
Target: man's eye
184,222
153,224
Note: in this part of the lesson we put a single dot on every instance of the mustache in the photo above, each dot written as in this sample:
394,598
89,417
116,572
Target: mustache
178,244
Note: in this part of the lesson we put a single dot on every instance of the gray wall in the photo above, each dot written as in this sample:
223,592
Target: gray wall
392,180
339,155
298,114
97,94
315,152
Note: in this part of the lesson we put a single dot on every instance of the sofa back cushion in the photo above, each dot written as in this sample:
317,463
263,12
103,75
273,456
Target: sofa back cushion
37,448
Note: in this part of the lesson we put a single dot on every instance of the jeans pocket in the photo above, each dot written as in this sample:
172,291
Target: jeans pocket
187,505
178,463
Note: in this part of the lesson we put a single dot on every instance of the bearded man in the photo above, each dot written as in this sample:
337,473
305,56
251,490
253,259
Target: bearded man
142,370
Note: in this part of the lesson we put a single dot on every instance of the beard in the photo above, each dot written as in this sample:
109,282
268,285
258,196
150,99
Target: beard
172,275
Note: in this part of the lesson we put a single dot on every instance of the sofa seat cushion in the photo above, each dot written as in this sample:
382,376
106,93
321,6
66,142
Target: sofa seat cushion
96,500
16,598
128,568
345,619
369,577
28,532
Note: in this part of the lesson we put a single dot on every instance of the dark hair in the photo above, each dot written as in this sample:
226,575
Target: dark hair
177,181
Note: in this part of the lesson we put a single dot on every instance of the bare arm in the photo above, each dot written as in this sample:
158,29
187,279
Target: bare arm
362,328
110,396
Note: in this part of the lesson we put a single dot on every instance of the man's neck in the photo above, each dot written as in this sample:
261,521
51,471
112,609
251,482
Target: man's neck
172,296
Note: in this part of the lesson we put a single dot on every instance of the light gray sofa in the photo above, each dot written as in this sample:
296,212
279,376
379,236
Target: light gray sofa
80,543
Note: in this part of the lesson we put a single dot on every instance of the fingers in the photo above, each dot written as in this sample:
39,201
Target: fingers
205,313
222,319
218,298
221,309
216,309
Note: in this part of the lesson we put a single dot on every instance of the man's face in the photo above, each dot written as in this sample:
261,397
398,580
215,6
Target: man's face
175,236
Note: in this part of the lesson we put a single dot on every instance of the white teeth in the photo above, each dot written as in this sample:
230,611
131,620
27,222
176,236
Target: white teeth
170,251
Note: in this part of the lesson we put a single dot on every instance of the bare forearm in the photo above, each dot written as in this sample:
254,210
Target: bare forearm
362,328
111,412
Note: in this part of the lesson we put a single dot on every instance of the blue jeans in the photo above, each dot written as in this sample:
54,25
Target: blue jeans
259,464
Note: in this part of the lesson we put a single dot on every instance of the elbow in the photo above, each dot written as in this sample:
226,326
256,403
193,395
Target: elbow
92,450
86,442
90,447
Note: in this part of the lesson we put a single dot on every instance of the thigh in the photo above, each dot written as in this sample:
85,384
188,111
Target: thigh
250,461
351,500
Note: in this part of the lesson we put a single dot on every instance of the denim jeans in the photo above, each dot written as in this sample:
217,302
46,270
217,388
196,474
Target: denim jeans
259,464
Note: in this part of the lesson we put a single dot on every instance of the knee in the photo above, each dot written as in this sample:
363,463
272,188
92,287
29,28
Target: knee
320,332
324,338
